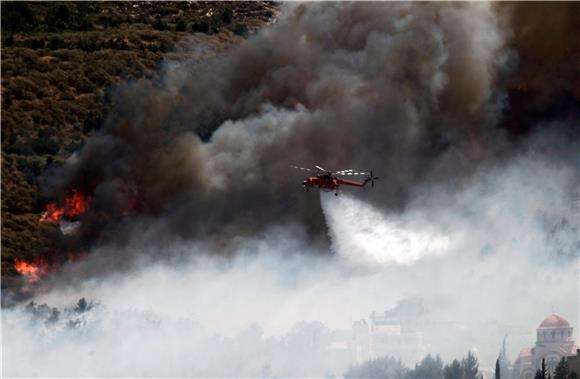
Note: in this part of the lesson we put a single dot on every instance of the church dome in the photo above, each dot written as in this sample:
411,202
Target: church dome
554,321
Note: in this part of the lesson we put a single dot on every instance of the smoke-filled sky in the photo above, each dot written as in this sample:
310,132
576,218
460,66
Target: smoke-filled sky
388,87
221,253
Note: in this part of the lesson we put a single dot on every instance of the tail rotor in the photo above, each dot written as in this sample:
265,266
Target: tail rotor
372,179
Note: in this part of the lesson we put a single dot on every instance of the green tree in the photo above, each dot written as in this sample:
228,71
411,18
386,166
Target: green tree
83,305
84,23
227,15
470,366
180,26
59,17
240,29
542,373
497,369
385,367
159,24
8,41
44,145
62,13
55,43
428,368
200,27
453,370
562,369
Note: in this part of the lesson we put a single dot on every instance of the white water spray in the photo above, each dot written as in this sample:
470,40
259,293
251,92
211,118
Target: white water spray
364,236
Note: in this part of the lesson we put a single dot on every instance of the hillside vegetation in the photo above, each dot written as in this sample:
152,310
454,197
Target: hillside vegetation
60,62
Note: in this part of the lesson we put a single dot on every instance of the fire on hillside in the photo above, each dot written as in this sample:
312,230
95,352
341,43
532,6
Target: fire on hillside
32,270
74,206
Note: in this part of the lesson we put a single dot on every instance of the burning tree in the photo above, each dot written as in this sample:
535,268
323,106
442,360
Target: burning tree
74,206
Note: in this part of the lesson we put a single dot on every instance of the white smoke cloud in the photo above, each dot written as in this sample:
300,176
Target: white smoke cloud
488,257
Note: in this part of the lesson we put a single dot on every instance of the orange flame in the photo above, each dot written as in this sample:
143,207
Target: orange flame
74,206
33,271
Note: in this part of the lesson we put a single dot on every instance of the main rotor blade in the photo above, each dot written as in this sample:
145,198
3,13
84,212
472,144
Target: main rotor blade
351,173
320,168
301,168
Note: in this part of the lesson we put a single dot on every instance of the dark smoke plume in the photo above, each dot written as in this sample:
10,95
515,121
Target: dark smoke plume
413,91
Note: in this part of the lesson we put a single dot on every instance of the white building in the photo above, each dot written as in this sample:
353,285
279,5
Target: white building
360,346
396,333
554,340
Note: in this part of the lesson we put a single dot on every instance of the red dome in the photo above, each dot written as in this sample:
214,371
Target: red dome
555,321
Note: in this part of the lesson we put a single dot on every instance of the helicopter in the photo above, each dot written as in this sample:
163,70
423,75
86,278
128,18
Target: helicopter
327,180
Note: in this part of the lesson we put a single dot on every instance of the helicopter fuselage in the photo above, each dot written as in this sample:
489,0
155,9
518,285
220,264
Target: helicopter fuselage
323,182
329,183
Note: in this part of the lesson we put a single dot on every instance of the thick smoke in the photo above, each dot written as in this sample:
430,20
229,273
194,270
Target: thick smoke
206,151
194,169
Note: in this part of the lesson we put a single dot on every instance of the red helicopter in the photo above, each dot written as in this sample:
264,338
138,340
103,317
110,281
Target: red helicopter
330,181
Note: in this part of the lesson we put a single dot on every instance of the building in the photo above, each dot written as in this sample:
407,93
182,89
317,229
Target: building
396,333
360,347
554,340
389,336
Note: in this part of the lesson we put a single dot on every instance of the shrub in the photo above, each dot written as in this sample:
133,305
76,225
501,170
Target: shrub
115,21
83,85
35,43
55,43
160,25
45,146
22,89
92,122
227,15
98,76
8,41
58,17
180,26
240,29
19,148
200,27
165,47
85,24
